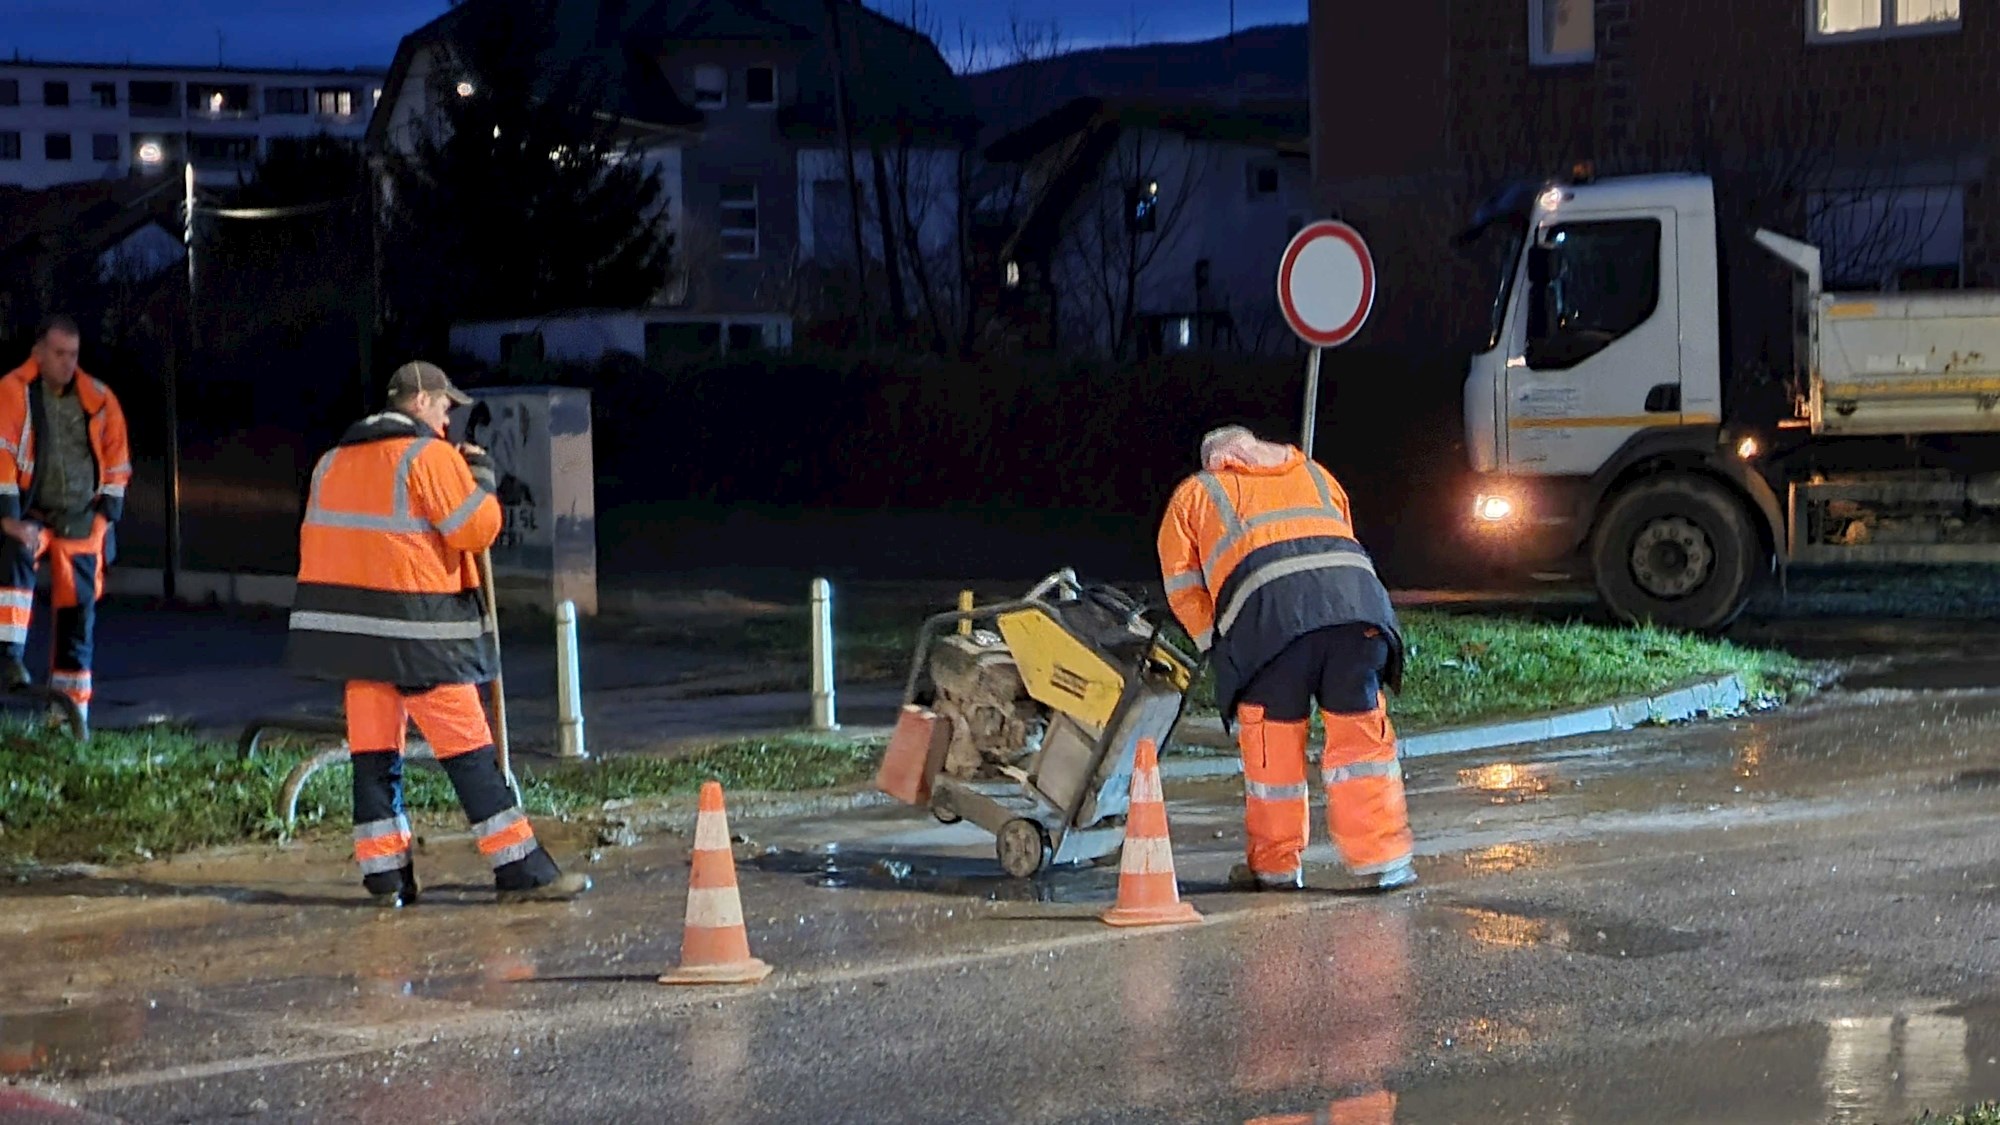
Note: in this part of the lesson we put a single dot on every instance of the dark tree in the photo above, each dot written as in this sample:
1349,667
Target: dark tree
516,195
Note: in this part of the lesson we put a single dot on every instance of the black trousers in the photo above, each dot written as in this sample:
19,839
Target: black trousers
1340,667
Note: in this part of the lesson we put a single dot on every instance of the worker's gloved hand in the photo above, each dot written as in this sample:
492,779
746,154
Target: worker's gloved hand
29,533
482,467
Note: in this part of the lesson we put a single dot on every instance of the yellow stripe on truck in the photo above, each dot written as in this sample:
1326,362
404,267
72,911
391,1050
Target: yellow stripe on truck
1630,421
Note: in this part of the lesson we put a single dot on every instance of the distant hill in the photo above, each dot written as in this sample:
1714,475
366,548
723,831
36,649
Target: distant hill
1260,64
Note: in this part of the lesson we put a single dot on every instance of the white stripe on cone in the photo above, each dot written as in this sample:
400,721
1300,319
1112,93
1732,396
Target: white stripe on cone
1146,787
714,908
711,833
1148,855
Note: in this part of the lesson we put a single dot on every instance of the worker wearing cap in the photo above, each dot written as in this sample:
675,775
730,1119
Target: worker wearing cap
64,468
1262,568
388,603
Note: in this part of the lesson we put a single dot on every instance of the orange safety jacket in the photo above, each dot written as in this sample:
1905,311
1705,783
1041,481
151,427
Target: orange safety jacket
388,585
22,414
1254,558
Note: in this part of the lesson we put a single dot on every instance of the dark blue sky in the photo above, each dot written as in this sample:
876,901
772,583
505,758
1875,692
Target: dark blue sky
364,32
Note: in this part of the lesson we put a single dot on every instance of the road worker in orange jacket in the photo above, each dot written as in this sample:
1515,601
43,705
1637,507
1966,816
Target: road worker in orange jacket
388,603
64,468
1263,570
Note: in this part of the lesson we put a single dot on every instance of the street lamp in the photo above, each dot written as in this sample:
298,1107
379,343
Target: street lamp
151,153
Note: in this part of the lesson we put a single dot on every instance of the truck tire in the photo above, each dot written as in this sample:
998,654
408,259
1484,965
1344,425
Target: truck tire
1678,551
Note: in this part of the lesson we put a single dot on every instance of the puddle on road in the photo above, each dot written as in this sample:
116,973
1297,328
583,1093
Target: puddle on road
1845,1071
73,1042
957,876
1517,925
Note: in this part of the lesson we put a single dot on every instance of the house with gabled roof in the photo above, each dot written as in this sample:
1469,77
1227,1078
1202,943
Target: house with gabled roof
749,109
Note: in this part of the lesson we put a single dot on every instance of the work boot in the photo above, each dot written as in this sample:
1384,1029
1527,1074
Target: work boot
14,676
562,888
399,896
1402,875
1241,878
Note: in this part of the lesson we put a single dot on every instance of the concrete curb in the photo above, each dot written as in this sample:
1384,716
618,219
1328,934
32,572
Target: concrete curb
677,814
1724,695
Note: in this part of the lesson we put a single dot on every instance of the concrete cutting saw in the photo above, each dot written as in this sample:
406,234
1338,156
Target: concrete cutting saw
1023,718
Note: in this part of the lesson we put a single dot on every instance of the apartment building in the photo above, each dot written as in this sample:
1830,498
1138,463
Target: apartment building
69,122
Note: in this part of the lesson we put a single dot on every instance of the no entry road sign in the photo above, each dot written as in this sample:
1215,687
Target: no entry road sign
1326,283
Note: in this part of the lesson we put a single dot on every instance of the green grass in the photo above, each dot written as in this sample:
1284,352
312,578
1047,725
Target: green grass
1464,668
133,795
1985,1113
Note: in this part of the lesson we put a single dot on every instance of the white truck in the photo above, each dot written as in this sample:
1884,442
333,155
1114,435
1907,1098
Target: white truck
1605,426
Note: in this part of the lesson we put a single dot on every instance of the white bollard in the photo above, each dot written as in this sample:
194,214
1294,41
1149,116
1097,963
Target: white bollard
822,656
569,687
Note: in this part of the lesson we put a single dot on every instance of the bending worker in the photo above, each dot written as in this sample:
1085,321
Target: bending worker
388,603
64,467
1262,568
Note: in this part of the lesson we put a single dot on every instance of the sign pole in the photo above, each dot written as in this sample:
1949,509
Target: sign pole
1312,403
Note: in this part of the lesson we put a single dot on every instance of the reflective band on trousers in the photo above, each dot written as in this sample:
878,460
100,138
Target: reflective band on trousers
1285,568
392,628
1390,768
505,818
1265,792
388,826
379,860
513,853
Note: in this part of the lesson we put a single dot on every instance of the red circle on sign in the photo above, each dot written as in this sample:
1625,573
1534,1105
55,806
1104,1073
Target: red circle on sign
1287,297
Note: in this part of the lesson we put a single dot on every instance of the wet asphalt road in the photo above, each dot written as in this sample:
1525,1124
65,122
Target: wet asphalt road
1792,918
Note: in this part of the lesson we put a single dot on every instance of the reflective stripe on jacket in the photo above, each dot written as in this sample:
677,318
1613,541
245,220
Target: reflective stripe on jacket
388,588
1254,558
22,415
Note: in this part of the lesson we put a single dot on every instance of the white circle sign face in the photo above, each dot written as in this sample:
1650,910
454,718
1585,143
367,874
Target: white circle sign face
1326,283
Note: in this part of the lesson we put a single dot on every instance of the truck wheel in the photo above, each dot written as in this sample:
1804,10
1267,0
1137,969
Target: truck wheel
1678,551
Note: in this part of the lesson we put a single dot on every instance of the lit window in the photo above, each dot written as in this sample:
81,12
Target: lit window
711,87
336,103
1840,19
1013,274
739,220
1142,205
1561,32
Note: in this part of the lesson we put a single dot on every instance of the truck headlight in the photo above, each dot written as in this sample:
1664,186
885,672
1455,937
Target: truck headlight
1493,509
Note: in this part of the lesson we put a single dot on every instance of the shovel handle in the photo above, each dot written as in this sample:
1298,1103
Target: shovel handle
499,689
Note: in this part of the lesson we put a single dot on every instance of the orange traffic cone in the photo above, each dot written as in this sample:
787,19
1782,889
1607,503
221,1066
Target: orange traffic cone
1148,893
715,948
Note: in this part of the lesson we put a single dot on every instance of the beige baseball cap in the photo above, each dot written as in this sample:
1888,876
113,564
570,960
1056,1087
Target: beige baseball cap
421,376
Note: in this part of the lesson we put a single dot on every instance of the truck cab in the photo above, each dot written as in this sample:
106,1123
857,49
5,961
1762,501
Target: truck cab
1609,428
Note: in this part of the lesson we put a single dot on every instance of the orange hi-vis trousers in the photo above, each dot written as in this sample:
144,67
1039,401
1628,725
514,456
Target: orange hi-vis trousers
1366,813
76,578
452,719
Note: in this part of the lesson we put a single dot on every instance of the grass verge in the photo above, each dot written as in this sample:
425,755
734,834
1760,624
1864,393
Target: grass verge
1464,669
134,795
1985,1113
